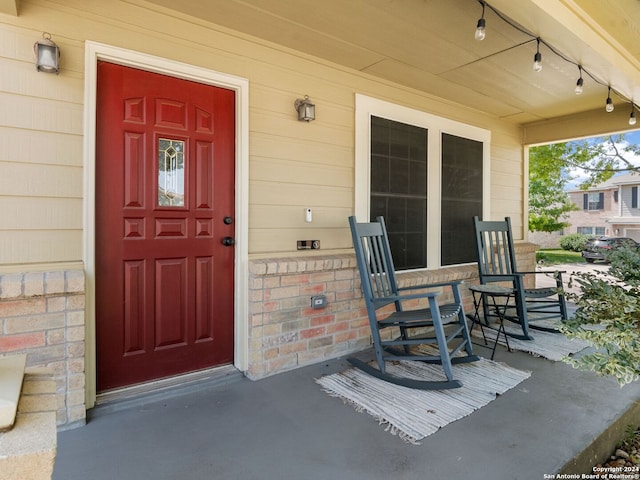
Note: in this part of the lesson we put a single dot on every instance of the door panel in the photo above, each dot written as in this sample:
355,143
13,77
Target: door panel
164,185
133,311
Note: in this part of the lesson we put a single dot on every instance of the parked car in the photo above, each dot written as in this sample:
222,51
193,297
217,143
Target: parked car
598,247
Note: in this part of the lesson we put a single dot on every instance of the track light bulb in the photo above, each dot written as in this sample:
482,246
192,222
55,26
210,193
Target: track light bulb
632,117
537,58
537,62
609,106
579,84
480,30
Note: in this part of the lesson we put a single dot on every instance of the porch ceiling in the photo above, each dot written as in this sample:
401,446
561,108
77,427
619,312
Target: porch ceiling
429,45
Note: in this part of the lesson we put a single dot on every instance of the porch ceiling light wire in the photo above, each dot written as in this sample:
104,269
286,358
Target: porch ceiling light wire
539,41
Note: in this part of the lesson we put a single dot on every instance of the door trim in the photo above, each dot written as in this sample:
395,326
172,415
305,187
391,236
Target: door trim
97,51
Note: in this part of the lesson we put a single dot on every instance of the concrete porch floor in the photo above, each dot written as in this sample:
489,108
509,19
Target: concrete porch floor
286,427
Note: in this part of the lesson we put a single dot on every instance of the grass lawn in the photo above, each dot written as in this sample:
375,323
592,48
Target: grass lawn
553,256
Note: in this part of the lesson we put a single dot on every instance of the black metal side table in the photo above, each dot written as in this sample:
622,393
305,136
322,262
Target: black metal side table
496,298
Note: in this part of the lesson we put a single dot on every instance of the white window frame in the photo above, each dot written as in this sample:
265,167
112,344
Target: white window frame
366,107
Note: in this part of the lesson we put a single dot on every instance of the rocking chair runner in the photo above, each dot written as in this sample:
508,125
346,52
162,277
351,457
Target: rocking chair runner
380,288
497,263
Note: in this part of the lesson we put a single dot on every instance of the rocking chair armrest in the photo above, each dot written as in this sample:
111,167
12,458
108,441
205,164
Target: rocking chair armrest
500,277
431,285
400,298
537,272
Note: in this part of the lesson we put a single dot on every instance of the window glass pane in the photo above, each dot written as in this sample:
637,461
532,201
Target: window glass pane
417,176
461,197
595,202
600,230
399,176
399,188
170,172
398,140
379,173
379,137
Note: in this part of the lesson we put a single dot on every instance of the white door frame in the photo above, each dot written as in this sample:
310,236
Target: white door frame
93,53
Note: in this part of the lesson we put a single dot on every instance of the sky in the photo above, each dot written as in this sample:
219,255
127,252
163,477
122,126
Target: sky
633,137
579,175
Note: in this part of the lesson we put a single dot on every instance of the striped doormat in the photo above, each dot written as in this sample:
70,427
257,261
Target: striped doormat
550,345
414,414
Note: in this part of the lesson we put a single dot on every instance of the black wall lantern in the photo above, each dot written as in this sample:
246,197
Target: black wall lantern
306,110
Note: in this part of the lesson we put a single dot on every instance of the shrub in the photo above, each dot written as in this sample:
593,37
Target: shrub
574,242
608,317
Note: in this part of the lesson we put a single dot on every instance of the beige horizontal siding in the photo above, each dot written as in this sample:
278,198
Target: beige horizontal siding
40,147
40,213
320,153
293,165
39,246
301,171
330,239
276,194
44,180
40,114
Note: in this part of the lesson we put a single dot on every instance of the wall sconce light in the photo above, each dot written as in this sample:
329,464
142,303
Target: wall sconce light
306,110
47,55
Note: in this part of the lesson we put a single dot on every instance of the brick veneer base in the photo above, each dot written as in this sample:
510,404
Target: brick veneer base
285,332
42,315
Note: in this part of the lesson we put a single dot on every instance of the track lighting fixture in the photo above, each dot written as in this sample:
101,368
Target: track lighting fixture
609,105
480,29
537,58
480,34
579,83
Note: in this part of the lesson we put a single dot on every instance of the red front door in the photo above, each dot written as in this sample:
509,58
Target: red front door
164,207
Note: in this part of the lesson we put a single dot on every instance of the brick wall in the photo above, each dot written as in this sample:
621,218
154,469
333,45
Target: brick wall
285,332
42,315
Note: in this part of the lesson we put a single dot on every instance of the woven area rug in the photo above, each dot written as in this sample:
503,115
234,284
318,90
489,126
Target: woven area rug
550,345
414,414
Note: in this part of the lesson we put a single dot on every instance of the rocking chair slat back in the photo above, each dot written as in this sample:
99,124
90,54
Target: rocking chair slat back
495,248
374,257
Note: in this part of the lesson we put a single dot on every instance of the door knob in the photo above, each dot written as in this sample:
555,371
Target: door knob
228,241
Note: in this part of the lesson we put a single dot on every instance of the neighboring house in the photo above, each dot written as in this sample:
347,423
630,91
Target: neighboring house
595,206
610,208
625,222
154,193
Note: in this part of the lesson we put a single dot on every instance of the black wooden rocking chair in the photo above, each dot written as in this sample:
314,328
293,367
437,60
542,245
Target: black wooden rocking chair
415,327
497,263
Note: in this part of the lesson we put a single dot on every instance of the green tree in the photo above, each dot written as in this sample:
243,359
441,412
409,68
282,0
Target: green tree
548,177
549,174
